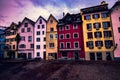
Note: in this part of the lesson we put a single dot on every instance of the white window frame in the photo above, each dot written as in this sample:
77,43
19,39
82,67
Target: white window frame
61,28
60,35
76,26
63,44
76,42
66,36
68,26
68,42
76,33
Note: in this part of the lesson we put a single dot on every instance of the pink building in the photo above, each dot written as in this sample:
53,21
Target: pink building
115,17
40,38
26,44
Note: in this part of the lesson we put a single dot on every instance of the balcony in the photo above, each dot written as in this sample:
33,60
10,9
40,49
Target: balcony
70,49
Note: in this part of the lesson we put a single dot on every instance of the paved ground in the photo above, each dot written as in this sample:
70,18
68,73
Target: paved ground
59,70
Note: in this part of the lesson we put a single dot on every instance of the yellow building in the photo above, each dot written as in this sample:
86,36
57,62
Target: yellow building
97,33
51,38
11,42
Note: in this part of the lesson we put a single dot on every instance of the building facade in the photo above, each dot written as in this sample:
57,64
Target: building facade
115,18
40,38
26,43
51,38
70,38
11,42
2,41
97,33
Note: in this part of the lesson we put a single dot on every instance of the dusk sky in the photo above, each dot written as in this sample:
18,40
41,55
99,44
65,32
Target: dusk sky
16,10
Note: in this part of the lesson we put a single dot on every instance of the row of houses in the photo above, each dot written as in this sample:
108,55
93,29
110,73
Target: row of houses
92,34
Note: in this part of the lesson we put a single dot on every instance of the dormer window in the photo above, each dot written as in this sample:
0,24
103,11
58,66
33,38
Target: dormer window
51,21
40,21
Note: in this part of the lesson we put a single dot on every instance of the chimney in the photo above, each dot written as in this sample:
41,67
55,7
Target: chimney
103,2
63,14
19,23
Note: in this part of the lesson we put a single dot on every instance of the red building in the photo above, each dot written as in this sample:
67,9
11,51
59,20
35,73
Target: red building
70,38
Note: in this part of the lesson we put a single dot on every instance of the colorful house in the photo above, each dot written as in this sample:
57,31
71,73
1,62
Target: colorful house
2,41
11,43
70,37
97,32
115,17
51,38
26,43
40,38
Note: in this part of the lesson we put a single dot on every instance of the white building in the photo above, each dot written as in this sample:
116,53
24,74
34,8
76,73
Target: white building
40,38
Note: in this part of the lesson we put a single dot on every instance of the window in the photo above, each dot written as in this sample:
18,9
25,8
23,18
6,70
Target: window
104,15
67,27
61,28
108,56
64,54
31,45
76,45
76,35
13,46
51,21
22,38
99,56
97,34
108,43
38,26
22,30
38,53
38,39
43,26
40,21
68,45
51,36
87,17
38,32
98,43
96,16
51,45
107,34
90,44
89,35
44,46
67,36
44,39
75,26
56,36
118,29
22,46
61,45
26,24
43,32
51,29
29,38
37,46
89,26
28,29
97,26
106,25
61,36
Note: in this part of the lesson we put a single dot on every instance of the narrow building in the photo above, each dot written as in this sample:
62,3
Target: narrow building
2,41
51,38
97,32
70,37
40,38
26,43
11,42
115,17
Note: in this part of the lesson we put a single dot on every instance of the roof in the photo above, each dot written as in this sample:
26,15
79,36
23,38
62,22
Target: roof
52,17
115,5
70,18
93,9
42,18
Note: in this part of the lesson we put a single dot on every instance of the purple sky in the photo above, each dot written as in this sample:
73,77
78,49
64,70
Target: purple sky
16,10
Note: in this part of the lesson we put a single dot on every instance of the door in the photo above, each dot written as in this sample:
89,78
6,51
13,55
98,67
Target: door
44,55
92,56
76,55
29,55
99,56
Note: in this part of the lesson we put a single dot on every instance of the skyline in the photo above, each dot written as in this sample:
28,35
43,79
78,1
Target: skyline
16,10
